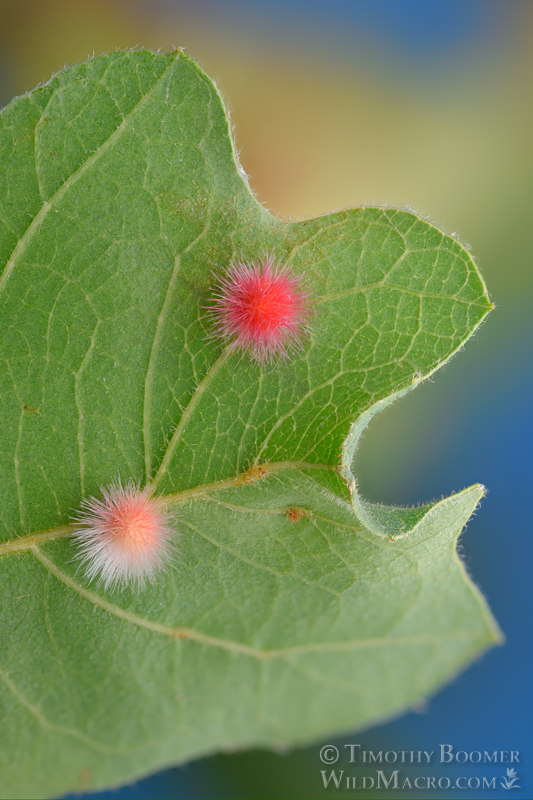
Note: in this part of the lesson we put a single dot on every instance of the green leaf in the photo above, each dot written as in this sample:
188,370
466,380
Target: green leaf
293,610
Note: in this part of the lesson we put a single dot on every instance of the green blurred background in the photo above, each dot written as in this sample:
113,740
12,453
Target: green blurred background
416,103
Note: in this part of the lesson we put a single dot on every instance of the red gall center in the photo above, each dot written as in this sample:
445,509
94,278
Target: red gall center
261,308
266,304
133,525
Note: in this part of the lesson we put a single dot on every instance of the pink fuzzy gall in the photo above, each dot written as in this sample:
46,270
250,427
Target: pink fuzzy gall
261,309
124,538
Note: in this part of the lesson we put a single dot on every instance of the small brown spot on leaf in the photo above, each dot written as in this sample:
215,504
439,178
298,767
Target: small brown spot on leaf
251,475
84,779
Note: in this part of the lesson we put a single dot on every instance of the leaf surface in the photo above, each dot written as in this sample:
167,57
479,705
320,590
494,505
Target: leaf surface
296,608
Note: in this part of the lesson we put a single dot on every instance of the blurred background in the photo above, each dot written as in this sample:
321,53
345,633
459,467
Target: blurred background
425,103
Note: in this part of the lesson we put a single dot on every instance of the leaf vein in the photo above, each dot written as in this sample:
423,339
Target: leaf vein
71,180
184,633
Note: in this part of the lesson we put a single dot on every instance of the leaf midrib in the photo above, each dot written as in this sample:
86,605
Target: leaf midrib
20,544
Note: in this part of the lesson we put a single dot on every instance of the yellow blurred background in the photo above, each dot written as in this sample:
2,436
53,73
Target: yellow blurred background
321,126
